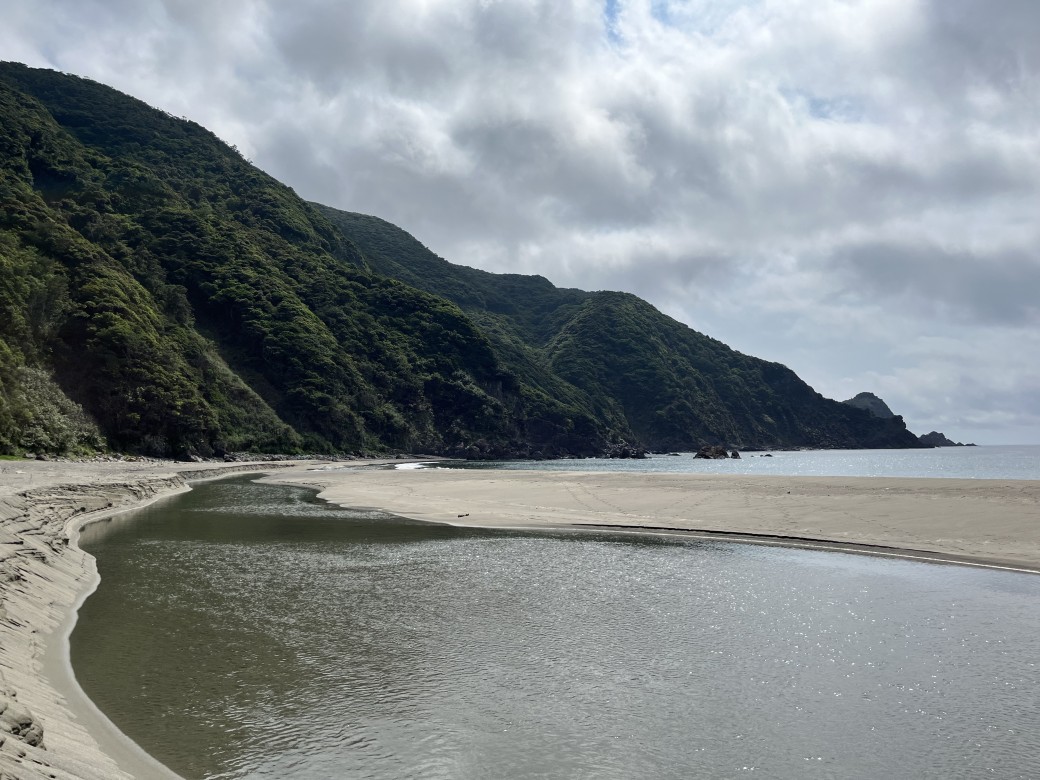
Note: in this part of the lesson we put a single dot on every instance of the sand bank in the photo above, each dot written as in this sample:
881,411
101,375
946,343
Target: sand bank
48,728
984,521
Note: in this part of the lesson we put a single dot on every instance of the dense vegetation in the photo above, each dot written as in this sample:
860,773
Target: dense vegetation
615,356
161,294
191,303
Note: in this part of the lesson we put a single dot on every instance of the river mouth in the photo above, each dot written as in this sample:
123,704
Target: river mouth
247,630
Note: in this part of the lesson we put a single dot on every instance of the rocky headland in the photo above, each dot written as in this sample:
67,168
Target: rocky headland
872,404
879,408
936,439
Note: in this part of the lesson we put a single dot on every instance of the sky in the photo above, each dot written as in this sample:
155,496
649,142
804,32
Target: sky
848,187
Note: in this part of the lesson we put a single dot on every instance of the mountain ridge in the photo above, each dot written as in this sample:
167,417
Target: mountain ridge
171,298
718,395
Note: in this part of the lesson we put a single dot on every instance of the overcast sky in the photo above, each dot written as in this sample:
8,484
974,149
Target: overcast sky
849,187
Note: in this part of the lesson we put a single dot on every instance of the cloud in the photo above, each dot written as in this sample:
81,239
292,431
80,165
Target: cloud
819,183
949,285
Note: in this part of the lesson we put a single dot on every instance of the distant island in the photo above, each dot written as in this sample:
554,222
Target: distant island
164,296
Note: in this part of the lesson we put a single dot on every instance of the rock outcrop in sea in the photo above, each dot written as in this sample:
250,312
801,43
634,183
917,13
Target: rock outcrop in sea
936,439
715,452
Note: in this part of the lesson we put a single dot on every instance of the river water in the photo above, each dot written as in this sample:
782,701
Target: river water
251,631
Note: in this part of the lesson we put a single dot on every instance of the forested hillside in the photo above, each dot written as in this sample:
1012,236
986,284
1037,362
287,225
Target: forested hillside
658,380
161,294
190,303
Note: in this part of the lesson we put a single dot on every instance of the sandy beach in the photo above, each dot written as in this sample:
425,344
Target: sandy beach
48,729
982,521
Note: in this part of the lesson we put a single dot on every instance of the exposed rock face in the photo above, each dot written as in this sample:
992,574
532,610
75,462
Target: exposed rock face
936,439
712,452
872,404
625,451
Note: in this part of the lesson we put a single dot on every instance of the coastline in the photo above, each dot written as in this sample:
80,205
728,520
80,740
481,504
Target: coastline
48,727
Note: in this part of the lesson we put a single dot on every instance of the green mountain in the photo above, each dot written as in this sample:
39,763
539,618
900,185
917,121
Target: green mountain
159,293
649,377
190,303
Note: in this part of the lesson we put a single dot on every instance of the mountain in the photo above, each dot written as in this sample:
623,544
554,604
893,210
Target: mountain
192,304
872,404
654,379
161,294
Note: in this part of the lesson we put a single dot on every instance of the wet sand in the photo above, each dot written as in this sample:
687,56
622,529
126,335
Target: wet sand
965,520
44,576
48,727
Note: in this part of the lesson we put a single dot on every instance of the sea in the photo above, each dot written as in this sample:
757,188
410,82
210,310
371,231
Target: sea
247,630
988,462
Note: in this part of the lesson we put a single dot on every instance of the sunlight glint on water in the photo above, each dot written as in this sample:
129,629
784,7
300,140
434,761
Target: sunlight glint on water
250,631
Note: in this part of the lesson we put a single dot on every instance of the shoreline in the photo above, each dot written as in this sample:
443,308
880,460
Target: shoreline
45,576
49,728
991,523
56,666
770,540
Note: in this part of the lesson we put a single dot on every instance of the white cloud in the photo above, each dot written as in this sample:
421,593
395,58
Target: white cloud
831,184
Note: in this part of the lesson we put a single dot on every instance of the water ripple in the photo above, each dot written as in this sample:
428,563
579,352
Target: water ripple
318,643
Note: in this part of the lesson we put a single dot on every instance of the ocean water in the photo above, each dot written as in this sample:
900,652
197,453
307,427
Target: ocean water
989,462
251,631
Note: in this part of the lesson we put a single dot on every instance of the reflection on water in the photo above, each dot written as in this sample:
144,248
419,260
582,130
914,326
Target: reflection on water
250,631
